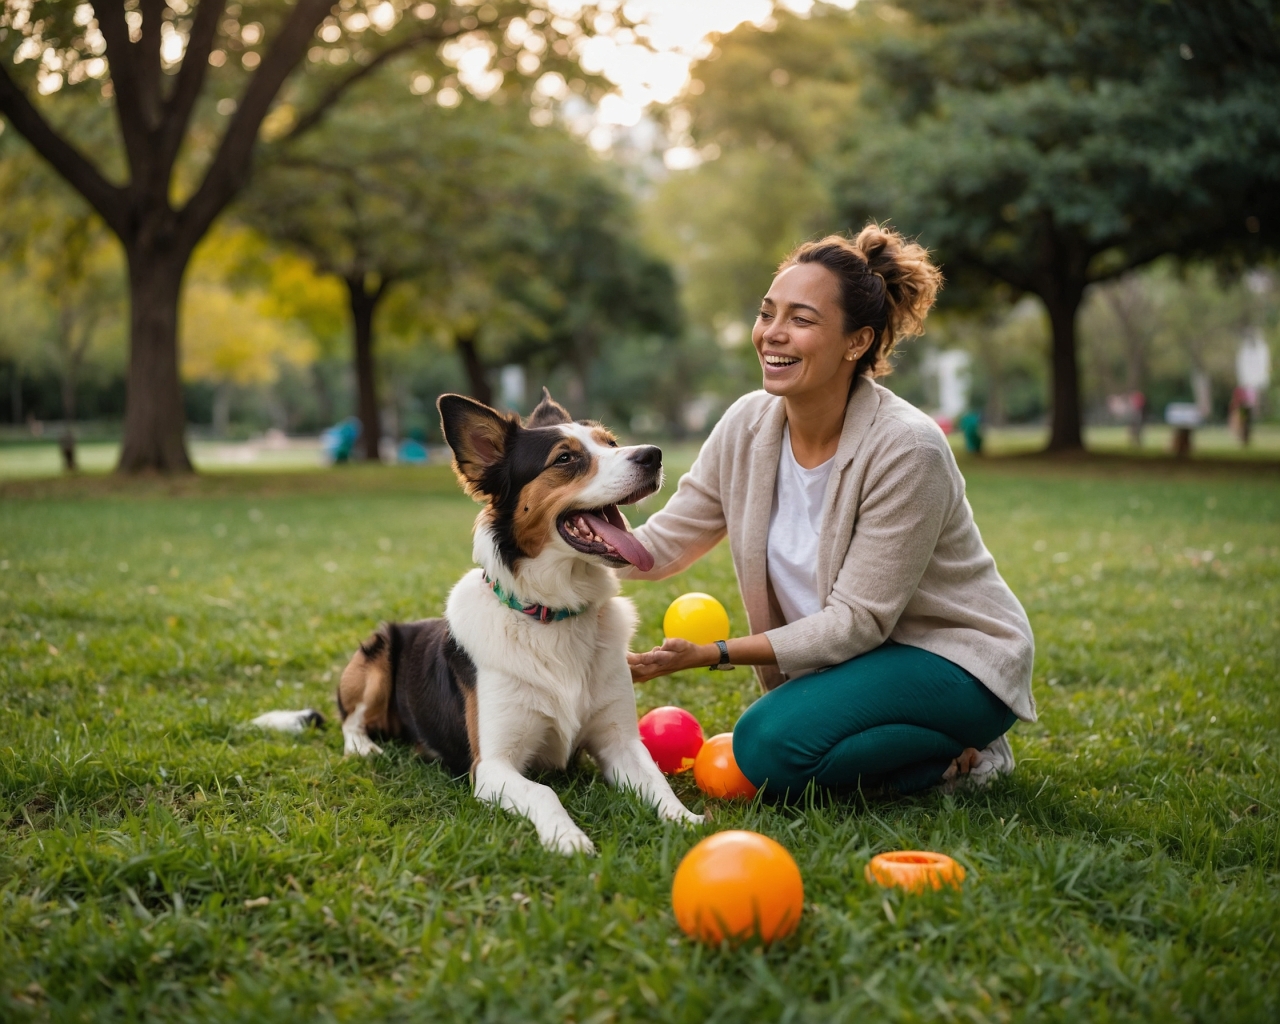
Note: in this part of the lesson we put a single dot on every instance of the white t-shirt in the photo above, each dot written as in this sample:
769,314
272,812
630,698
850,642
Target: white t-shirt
794,525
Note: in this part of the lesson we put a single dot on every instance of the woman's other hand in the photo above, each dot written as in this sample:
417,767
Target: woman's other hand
673,656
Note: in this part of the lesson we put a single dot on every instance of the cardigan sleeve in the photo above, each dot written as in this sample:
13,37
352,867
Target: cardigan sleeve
691,523
901,514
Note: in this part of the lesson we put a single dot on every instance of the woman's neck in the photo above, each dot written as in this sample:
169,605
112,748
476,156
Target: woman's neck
816,422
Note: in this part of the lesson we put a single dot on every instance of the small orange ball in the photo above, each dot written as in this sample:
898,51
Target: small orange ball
740,886
914,870
717,773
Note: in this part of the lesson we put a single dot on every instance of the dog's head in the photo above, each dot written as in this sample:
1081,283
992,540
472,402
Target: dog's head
550,480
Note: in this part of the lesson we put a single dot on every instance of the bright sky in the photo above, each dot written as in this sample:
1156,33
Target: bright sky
678,33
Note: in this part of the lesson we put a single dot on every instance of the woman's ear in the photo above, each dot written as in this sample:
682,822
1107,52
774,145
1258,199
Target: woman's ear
859,342
478,435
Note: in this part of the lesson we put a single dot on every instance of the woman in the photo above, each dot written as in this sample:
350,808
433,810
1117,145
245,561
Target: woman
888,645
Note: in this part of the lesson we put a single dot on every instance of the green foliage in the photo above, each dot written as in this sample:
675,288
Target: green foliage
499,235
764,113
1174,321
1125,872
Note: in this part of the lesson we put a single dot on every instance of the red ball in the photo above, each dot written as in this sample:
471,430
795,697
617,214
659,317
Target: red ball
673,738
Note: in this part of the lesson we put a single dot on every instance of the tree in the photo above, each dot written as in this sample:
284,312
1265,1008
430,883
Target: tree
160,64
229,336
506,238
61,248
759,116
1053,145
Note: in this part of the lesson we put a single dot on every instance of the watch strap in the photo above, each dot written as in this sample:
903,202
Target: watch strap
724,663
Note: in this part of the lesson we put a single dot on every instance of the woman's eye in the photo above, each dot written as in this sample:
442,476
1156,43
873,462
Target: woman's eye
765,316
801,321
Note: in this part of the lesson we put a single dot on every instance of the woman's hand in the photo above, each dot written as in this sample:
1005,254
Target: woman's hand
673,656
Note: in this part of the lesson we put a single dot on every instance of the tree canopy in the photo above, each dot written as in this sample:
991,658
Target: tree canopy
192,85
1054,145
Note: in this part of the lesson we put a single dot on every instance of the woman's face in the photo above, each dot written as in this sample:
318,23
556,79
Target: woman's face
799,335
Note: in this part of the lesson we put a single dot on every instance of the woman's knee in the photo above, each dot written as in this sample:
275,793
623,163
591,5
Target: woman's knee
767,752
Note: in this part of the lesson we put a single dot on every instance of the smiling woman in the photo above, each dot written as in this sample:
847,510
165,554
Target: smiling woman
888,644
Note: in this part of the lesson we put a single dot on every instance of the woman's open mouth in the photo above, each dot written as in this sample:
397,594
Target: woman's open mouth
775,362
603,532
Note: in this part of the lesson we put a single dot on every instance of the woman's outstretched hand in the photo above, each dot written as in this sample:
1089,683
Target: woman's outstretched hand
673,656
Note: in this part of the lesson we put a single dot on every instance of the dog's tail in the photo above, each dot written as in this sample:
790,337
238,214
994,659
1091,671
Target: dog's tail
290,721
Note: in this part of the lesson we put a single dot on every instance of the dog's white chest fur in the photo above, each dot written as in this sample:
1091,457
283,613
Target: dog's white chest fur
540,682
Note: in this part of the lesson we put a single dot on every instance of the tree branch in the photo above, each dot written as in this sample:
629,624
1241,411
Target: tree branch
124,79
191,76
147,52
313,116
63,157
230,165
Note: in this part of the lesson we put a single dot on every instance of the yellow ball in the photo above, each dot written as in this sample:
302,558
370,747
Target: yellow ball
698,618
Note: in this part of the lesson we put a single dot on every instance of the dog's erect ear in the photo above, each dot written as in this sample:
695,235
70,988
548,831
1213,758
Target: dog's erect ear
477,434
548,413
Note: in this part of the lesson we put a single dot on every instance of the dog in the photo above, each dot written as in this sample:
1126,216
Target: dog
528,666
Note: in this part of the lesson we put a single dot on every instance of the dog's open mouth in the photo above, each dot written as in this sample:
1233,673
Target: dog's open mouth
603,531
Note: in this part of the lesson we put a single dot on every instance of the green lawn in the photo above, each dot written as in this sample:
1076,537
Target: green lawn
160,860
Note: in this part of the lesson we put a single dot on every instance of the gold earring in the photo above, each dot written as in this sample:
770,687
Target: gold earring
848,357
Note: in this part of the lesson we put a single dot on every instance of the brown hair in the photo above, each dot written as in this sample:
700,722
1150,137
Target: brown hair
886,283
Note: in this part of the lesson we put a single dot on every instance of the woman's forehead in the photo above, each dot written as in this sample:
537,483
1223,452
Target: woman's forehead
808,284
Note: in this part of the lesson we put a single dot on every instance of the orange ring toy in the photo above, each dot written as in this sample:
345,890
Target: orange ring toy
914,870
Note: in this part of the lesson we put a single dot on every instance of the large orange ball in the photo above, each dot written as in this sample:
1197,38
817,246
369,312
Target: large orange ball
717,773
737,886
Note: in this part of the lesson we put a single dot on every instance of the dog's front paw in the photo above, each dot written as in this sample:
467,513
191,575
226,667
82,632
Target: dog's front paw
683,815
570,843
361,746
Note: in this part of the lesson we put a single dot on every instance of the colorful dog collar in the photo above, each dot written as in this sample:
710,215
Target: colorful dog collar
535,611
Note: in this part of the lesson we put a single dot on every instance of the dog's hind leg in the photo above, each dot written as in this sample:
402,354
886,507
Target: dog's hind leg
364,695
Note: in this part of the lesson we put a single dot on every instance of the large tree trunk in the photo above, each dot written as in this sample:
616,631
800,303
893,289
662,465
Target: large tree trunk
364,303
477,372
155,420
1065,433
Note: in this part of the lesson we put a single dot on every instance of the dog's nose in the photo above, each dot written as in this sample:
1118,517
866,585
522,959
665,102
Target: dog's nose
649,456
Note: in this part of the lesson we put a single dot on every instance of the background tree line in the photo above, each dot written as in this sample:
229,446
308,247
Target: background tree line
307,209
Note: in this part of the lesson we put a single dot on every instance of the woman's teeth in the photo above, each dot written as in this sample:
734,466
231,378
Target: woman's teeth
781,360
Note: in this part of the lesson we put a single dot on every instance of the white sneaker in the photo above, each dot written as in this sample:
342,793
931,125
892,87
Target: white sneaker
974,769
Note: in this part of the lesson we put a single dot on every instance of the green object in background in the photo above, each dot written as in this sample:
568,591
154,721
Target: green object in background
971,427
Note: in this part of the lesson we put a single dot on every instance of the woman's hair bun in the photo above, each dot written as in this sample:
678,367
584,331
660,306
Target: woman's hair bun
887,282
911,280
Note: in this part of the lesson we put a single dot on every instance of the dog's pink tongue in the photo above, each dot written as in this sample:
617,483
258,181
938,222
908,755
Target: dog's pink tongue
614,530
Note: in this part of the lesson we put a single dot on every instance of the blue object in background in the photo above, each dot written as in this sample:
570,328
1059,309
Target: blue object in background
412,452
339,441
971,427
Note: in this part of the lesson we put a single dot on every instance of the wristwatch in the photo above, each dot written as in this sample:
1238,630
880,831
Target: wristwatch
724,665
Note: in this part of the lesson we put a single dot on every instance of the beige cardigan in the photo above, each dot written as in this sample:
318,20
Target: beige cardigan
900,556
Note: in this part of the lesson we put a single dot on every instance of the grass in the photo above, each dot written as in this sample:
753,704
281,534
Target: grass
161,861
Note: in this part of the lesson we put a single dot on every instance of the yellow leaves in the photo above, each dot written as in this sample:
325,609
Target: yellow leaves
236,332
278,122
226,337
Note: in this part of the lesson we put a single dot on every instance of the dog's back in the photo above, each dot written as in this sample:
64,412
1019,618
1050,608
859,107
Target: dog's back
412,681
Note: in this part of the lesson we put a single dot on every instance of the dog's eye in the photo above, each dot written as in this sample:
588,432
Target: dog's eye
563,458
613,443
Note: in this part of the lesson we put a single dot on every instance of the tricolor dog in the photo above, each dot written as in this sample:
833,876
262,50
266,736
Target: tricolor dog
528,665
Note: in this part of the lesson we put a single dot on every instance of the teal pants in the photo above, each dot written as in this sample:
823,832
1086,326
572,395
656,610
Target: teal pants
896,715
